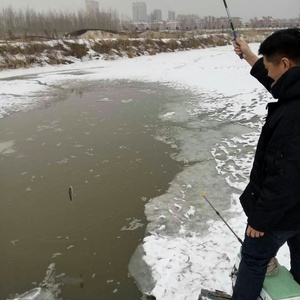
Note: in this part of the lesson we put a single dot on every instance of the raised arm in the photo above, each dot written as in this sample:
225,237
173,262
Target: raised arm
258,70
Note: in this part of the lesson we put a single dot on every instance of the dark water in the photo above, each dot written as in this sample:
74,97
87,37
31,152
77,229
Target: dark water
98,138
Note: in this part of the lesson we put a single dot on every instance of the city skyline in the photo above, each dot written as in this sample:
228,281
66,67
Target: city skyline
238,8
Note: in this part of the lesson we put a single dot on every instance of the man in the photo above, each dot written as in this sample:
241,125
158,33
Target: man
271,200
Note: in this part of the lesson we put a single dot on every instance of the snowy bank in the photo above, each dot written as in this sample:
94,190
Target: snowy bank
25,54
28,52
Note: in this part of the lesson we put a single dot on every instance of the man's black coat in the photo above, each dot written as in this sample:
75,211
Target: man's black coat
271,200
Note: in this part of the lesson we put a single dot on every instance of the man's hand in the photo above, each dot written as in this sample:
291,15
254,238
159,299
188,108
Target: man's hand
241,47
251,232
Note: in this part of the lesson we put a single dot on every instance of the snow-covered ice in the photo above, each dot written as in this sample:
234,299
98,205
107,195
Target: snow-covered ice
186,248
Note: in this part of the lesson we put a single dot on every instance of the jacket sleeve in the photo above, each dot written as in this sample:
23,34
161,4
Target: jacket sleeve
281,185
261,74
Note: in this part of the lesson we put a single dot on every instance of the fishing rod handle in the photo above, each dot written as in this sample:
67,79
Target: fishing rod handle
235,37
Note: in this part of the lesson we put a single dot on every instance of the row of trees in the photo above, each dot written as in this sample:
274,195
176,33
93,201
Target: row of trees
269,22
28,22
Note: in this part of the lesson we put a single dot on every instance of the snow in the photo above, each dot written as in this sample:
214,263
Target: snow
182,256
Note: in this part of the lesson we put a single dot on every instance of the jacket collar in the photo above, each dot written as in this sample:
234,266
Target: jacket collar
287,87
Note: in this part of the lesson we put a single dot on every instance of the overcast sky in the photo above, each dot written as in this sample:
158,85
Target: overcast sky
241,8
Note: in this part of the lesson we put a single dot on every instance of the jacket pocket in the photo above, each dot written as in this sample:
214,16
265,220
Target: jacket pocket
248,199
273,163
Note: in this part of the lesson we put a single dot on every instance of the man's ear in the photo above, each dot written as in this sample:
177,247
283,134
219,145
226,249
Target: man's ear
287,64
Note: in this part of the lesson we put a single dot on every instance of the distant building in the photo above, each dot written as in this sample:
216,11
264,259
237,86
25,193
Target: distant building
139,12
91,6
157,15
171,16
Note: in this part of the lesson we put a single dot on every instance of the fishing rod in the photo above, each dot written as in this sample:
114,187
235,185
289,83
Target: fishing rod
231,24
203,195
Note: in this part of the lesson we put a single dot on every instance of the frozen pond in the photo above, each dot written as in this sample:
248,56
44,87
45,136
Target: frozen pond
99,138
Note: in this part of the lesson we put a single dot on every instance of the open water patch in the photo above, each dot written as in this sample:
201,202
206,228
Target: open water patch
107,151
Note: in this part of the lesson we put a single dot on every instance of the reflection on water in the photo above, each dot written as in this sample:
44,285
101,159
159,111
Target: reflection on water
99,140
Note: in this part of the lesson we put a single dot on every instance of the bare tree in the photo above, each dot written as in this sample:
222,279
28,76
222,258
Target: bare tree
29,22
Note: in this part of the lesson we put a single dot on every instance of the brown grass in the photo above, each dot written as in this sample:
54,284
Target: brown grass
76,50
33,52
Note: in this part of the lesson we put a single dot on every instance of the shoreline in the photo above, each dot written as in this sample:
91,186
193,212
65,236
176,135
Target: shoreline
27,54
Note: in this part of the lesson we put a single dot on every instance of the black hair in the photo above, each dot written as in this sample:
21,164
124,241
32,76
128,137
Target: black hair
282,43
